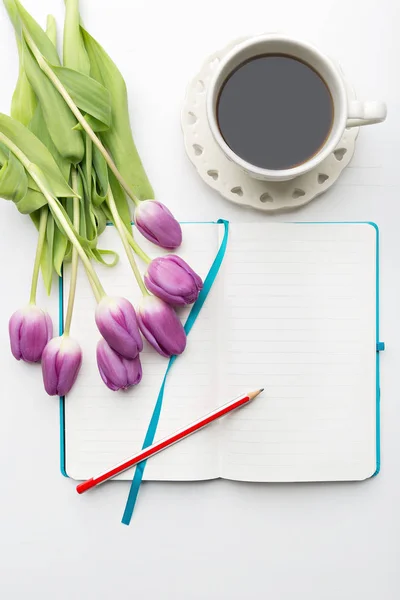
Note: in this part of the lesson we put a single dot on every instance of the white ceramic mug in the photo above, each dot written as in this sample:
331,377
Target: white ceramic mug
346,113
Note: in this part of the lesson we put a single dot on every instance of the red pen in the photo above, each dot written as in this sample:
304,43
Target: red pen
167,442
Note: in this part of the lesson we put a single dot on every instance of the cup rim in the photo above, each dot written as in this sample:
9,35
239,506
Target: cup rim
314,161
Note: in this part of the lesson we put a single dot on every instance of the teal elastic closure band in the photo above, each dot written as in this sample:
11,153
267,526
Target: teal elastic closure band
152,428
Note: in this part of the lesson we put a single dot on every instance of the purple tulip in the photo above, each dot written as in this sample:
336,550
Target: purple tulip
61,361
117,323
118,373
171,279
161,327
158,224
30,329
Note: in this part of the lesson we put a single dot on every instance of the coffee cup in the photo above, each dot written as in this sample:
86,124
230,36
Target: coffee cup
277,107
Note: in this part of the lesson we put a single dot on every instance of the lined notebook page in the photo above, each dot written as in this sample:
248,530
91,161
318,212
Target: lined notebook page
300,321
103,427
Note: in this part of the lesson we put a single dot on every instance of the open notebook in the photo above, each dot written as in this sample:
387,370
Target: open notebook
293,310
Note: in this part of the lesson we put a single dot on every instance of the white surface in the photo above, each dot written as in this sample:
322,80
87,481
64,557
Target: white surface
293,308
216,540
233,181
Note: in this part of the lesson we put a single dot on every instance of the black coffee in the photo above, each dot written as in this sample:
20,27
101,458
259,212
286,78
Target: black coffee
275,111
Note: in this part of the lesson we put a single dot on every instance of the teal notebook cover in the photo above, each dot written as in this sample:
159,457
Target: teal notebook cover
379,347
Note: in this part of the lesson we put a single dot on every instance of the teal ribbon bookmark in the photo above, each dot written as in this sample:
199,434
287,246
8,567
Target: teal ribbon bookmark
152,428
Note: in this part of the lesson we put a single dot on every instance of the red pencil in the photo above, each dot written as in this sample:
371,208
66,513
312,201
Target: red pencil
166,442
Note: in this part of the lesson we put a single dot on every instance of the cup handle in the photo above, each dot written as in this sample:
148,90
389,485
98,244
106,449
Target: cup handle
365,113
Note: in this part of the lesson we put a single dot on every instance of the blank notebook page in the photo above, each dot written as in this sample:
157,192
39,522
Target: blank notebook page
104,427
300,321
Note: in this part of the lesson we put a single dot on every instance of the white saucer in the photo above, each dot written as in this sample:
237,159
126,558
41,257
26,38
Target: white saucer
228,179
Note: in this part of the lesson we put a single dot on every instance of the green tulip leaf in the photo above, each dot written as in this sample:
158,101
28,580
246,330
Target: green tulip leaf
98,198
35,216
87,93
81,239
120,201
37,153
60,248
118,139
13,180
41,39
58,117
24,102
99,255
13,13
74,52
46,256
14,184
96,125
99,178
101,219
89,218
4,152
51,30
31,202
100,171
39,128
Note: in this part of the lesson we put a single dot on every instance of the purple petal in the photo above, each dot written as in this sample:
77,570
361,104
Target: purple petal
61,362
116,321
173,280
133,371
130,321
28,329
147,234
68,364
110,366
150,337
162,293
14,328
158,225
49,326
117,372
161,326
33,337
107,381
49,371
106,378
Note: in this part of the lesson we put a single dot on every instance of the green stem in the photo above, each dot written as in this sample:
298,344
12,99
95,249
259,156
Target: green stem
120,227
74,259
46,68
94,289
88,166
52,201
44,212
135,246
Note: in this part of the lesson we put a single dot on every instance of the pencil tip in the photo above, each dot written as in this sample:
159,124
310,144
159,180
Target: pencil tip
253,395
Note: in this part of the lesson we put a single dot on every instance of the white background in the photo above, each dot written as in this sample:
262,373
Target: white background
218,539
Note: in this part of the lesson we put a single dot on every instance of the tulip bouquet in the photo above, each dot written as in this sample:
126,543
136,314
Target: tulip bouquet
68,159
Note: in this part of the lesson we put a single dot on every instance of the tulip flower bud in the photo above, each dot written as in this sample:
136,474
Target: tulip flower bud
161,326
117,323
30,329
158,224
117,372
61,361
171,279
